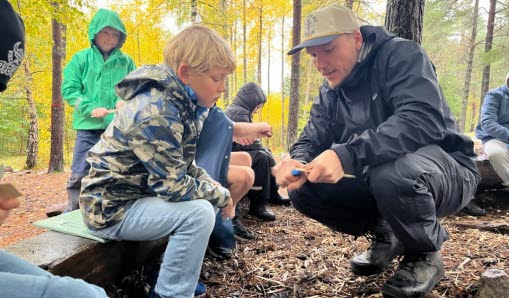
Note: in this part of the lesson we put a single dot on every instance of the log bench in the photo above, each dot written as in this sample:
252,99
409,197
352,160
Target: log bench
489,179
95,262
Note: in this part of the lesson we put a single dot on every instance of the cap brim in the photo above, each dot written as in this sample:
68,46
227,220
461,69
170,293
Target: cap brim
313,42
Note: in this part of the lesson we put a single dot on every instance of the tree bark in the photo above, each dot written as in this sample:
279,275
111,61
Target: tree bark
468,73
259,72
244,37
33,130
56,162
293,116
283,134
194,12
485,83
404,18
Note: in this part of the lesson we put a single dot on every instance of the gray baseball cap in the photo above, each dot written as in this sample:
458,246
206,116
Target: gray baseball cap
326,24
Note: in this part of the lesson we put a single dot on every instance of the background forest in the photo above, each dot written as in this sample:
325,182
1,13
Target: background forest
35,126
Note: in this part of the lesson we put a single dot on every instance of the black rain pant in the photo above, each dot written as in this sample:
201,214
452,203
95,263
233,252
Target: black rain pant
411,193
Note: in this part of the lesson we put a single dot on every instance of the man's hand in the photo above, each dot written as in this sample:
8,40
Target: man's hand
99,113
325,168
283,174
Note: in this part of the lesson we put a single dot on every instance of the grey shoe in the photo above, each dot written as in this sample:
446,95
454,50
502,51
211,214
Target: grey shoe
416,276
384,248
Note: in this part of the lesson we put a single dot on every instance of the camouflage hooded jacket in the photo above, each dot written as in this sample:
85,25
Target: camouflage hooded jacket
147,151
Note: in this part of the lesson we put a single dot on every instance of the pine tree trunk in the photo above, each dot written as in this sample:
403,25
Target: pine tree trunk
244,44
33,130
293,116
485,83
468,73
56,162
283,134
404,18
259,73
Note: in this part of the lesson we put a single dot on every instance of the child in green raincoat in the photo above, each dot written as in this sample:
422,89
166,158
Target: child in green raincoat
89,87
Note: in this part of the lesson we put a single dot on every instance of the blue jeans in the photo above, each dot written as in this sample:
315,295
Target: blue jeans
85,139
20,279
188,225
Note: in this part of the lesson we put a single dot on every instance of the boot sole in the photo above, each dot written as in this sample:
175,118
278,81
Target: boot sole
389,291
371,270
241,239
216,255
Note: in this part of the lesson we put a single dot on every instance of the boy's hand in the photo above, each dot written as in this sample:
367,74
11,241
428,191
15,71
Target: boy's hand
99,113
120,104
228,212
264,130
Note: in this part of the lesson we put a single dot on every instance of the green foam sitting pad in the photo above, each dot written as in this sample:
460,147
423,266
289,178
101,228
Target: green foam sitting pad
68,223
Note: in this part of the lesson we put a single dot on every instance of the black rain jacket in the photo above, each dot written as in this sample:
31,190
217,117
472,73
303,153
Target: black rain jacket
389,105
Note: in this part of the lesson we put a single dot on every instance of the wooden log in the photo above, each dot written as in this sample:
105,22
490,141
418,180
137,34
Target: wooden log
97,263
489,178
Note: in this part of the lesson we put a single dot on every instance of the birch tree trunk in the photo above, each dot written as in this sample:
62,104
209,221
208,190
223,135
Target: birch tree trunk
33,129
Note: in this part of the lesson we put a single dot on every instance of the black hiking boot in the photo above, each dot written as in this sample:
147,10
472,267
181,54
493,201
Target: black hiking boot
473,209
383,249
277,199
241,232
261,211
416,276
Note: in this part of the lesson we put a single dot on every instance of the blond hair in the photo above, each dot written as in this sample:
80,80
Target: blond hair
199,47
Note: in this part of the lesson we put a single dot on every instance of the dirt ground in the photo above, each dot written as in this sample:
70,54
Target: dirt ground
295,256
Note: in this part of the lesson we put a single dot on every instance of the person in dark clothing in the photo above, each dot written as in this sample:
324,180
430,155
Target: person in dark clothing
382,118
250,99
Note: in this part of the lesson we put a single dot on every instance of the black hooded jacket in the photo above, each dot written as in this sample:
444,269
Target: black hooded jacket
389,105
247,99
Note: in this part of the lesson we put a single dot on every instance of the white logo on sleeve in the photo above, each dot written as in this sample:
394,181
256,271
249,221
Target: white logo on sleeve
14,58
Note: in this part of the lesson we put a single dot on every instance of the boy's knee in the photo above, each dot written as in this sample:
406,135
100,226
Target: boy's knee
204,212
242,158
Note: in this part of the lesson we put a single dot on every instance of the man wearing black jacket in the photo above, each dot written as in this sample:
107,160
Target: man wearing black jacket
381,152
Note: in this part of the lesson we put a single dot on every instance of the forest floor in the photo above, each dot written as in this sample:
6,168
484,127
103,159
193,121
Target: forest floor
295,256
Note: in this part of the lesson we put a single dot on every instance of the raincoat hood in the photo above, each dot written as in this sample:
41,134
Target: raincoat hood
106,18
249,97
146,77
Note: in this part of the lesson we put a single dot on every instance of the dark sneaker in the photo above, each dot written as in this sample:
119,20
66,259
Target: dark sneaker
261,211
220,252
473,209
241,232
277,199
416,276
383,249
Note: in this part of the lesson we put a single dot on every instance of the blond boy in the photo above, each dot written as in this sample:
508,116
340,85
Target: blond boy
143,183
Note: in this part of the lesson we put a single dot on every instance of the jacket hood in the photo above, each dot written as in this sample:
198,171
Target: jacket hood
146,77
106,18
250,96
373,38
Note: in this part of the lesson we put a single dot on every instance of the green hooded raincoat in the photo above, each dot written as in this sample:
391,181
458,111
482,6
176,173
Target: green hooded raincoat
89,81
